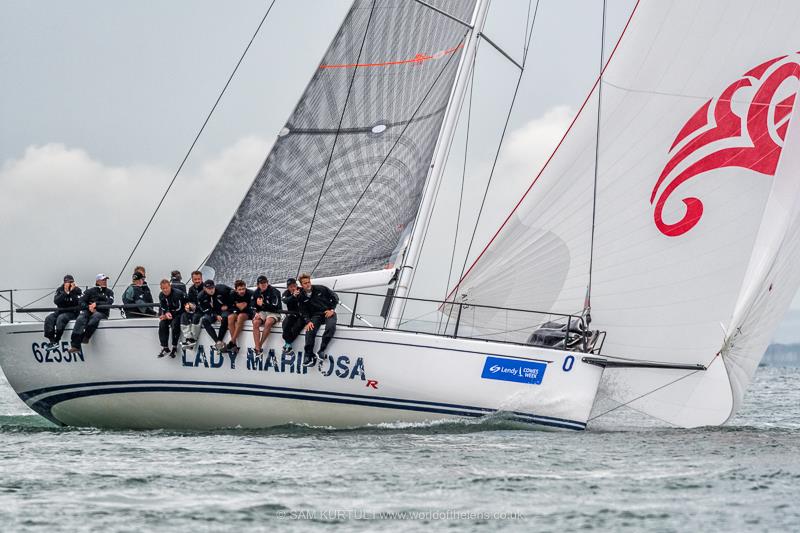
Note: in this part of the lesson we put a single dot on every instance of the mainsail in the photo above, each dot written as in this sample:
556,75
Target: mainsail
344,179
691,254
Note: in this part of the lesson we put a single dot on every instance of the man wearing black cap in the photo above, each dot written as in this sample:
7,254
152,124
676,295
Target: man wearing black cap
67,299
94,308
293,323
136,294
214,304
267,307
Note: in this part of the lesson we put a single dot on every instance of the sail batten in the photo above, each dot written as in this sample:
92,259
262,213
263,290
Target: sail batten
357,146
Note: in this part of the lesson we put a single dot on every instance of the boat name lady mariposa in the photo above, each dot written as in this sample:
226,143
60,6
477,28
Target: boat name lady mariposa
341,366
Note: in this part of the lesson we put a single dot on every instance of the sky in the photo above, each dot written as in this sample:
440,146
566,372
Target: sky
100,102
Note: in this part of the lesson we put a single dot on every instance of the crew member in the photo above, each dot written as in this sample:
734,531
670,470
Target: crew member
241,312
293,322
214,305
176,280
146,287
170,308
67,299
267,307
190,319
95,304
318,306
138,293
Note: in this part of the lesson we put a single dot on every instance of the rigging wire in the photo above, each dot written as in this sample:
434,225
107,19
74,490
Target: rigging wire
466,148
524,57
194,142
500,145
336,137
386,158
588,304
461,192
625,404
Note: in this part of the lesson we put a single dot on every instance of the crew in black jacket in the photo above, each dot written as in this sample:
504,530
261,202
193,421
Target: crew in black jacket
171,302
241,312
293,322
267,307
318,306
190,319
214,304
176,280
67,299
92,312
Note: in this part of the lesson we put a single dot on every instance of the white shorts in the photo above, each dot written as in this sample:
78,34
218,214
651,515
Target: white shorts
265,315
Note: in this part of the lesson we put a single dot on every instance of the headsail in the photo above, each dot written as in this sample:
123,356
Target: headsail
345,176
697,103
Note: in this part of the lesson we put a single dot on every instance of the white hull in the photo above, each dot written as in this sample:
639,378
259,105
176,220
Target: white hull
374,377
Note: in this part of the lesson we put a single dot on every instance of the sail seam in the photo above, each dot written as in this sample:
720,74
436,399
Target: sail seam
419,58
362,130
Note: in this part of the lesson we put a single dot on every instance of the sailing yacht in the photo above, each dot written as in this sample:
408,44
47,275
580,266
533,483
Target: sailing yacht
656,250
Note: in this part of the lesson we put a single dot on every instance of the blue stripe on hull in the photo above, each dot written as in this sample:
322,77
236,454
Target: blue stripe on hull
45,405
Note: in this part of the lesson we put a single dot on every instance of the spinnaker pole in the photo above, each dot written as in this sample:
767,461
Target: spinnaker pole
442,150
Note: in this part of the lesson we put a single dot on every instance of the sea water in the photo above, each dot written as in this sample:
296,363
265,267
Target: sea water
621,474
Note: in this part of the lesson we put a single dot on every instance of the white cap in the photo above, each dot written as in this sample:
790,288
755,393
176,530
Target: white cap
100,276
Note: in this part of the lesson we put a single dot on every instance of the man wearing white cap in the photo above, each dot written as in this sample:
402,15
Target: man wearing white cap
94,308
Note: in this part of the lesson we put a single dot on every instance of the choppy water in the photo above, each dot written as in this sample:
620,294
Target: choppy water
461,476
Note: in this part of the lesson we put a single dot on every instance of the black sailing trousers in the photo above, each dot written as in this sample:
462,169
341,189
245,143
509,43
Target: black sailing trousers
208,324
164,327
292,326
55,323
311,335
85,326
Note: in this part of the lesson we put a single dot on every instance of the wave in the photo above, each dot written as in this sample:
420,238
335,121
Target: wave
27,423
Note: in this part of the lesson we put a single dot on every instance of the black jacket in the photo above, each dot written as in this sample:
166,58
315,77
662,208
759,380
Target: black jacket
172,303
212,305
272,300
292,303
193,293
65,300
97,295
148,295
181,286
247,298
320,300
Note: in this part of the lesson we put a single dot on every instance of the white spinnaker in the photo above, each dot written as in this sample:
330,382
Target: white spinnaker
663,292
773,277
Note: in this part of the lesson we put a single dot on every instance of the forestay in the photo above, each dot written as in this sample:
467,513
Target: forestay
694,234
344,180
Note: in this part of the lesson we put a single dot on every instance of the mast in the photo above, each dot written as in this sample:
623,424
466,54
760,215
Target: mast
445,141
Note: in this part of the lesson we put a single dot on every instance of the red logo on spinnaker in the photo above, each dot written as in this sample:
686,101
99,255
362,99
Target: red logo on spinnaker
750,136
